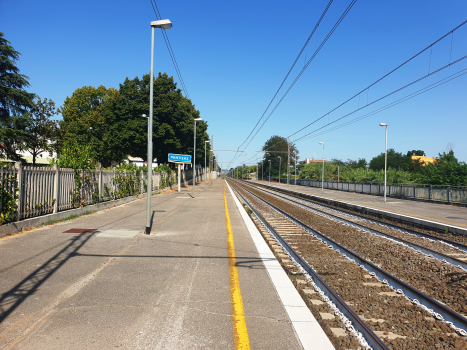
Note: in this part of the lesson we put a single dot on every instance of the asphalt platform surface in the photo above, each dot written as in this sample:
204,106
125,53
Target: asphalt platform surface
442,213
114,287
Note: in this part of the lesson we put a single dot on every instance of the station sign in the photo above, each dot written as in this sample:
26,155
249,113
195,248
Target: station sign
179,158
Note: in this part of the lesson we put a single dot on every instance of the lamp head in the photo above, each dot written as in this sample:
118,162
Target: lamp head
207,141
198,119
144,115
382,124
163,24
321,143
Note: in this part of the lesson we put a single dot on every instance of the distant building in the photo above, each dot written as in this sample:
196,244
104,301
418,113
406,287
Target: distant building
424,160
313,160
139,162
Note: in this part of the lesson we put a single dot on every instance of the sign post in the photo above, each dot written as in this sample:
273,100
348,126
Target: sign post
179,159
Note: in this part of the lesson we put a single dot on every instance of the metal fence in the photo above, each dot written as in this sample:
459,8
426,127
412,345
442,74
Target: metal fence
435,193
28,191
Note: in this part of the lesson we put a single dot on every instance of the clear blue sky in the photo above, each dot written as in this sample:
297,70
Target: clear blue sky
234,54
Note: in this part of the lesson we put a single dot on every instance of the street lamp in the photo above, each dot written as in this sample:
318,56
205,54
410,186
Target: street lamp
322,176
269,170
194,155
205,142
385,159
162,24
280,160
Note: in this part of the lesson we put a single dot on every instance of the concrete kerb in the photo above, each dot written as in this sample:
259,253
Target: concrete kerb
17,227
378,212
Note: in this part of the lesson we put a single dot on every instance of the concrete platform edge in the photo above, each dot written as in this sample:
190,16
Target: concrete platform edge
307,329
400,217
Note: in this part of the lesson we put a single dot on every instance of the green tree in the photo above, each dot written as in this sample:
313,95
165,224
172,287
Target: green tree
42,131
274,148
15,102
173,119
446,171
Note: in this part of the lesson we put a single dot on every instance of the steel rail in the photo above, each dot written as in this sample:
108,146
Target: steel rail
440,256
308,197
414,294
371,338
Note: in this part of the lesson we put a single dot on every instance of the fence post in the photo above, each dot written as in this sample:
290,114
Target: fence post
99,181
370,188
449,194
429,192
415,191
19,179
400,195
56,169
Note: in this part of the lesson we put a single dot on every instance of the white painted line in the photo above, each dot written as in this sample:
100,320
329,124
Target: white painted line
308,330
414,218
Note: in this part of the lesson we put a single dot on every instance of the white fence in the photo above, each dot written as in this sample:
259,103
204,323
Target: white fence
28,192
446,194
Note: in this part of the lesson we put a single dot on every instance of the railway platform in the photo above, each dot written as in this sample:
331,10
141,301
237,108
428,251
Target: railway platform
436,215
203,279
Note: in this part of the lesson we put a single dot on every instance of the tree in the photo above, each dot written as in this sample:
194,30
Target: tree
446,171
173,117
42,131
15,102
275,147
415,153
95,116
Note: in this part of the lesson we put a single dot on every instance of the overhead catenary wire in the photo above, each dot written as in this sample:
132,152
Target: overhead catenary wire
385,76
305,67
169,48
389,105
291,68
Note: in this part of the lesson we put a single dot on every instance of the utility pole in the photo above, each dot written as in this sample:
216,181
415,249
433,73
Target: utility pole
288,160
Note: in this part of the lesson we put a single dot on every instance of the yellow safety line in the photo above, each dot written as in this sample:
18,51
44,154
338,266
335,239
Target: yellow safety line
240,330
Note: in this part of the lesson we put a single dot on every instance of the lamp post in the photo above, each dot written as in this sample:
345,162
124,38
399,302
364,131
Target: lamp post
194,155
162,24
269,170
280,161
262,171
205,142
385,159
322,176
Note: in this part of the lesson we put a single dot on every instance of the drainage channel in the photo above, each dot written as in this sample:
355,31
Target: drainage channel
370,338
438,310
430,252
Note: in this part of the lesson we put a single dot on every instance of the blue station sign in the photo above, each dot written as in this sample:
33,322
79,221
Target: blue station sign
179,158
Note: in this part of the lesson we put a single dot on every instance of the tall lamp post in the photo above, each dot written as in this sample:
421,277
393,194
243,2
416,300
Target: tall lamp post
205,142
162,24
194,155
385,159
269,170
280,160
322,176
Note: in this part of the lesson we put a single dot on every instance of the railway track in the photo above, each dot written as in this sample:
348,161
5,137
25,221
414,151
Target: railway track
373,305
443,249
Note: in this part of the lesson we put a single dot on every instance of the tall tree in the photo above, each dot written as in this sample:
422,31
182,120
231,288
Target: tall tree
15,102
276,147
96,117
43,131
173,116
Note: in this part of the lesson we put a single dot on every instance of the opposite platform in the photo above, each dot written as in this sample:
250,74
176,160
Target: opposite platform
441,215
114,287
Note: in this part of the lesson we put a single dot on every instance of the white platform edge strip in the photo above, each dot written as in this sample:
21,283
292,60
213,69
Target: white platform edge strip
415,218
308,330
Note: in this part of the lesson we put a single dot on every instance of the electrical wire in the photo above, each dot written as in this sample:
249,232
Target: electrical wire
386,75
291,68
389,105
169,48
306,66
